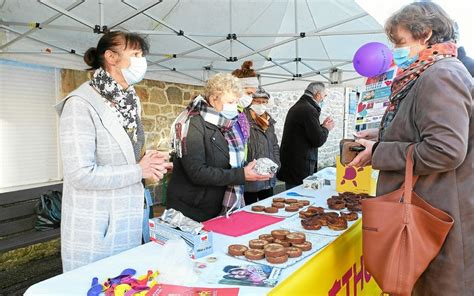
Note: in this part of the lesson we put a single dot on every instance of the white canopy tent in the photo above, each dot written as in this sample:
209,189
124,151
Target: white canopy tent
291,42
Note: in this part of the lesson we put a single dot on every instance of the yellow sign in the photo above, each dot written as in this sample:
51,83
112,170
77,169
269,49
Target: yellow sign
338,270
356,180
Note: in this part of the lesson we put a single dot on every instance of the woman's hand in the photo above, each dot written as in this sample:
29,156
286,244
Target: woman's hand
368,134
365,157
251,175
153,165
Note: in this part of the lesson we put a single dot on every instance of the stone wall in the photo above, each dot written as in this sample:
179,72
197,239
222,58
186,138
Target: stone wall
161,103
333,106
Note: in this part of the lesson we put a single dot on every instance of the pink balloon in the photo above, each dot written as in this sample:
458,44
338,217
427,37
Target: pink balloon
372,59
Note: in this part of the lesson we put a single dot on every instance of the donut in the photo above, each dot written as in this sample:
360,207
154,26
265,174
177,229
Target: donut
322,219
306,246
278,199
258,208
292,208
268,237
271,210
296,237
274,250
350,216
354,207
311,224
282,242
254,254
304,202
301,214
290,200
331,214
278,205
237,250
280,234
309,214
257,243
318,210
337,224
277,260
297,204
293,252
337,204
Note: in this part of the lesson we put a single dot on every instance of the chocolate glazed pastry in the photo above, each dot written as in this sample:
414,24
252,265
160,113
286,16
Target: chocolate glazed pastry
237,250
257,244
274,250
337,224
350,216
280,234
258,208
254,254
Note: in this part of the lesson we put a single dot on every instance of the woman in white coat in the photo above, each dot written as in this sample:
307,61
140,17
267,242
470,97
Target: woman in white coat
102,137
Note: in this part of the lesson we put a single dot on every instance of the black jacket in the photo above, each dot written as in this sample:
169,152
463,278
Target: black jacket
201,176
467,61
262,144
302,135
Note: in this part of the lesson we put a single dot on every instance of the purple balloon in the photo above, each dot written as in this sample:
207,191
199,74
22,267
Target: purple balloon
372,59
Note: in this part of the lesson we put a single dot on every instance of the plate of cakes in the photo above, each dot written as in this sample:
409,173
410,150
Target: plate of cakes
280,248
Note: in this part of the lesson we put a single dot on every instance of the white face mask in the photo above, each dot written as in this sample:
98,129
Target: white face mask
259,108
229,111
136,71
245,101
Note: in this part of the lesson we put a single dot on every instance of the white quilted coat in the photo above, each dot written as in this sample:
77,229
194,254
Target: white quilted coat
102,206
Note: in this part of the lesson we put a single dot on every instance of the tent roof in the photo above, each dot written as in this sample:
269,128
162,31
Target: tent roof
290,41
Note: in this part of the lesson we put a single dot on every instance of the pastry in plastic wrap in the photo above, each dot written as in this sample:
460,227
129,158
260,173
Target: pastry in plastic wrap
265,166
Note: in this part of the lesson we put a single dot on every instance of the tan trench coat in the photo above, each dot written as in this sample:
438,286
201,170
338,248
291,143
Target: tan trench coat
436,115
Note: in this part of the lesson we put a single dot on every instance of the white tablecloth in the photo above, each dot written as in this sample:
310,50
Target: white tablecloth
144,257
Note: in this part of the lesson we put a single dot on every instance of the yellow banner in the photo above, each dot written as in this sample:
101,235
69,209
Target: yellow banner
338,270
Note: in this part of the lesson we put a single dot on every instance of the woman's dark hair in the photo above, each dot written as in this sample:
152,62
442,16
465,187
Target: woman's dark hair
94,56
419,18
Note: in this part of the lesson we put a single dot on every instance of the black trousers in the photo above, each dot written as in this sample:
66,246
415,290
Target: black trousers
251,197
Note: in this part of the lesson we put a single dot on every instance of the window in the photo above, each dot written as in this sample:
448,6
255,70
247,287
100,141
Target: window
29,149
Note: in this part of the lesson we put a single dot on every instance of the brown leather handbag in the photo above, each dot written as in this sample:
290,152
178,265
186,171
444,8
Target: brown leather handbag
401,233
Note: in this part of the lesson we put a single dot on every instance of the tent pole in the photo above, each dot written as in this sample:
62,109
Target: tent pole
187,51
71,51
352,18
101,13
67,13
313,73
296,41
274,65
137,12
230,29
178,32
40,25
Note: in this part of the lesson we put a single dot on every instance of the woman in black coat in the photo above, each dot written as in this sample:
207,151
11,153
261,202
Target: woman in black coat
209,172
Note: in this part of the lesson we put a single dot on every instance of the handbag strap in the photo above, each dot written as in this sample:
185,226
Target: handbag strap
410,180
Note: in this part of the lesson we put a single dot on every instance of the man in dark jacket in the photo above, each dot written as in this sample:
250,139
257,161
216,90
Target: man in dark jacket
303,134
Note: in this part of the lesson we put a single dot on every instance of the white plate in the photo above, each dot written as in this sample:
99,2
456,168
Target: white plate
281,212
318,242
294,224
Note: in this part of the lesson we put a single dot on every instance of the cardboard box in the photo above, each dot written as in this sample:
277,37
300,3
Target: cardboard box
356,180
200,245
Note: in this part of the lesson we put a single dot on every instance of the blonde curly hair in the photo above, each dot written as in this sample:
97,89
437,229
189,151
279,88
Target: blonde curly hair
222,83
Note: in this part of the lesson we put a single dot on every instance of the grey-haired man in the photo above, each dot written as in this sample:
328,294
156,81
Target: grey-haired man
303,134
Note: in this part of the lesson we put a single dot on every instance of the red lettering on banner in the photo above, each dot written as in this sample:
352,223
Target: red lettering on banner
335,288
346,278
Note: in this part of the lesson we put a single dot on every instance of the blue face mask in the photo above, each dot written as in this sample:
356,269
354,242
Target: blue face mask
229,111
401,57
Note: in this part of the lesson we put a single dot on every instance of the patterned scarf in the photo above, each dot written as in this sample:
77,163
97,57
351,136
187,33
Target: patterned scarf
124,104
263,121
406,78
234,194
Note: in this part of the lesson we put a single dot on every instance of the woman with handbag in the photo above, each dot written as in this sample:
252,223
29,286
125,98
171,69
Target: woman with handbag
431,109
101,138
